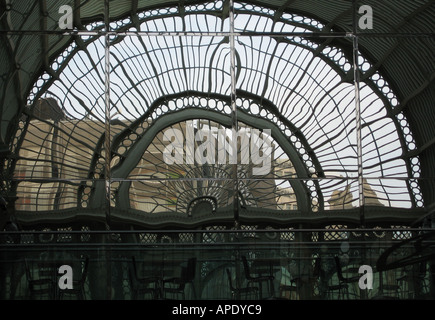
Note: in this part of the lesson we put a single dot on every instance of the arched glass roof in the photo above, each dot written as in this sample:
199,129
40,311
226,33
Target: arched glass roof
343,134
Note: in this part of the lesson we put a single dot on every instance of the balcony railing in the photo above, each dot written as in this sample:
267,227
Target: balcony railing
225,264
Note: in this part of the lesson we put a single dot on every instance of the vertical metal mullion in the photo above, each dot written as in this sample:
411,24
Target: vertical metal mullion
356,73
107,141
358,127
235,127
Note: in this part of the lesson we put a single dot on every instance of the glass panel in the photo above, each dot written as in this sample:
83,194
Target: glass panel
207,17
290,17
169,109
59,141
308,99
340,193
53,16
146,68
389,144
296,201
389,192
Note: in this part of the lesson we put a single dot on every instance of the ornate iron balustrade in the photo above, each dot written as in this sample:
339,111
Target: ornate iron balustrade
333,263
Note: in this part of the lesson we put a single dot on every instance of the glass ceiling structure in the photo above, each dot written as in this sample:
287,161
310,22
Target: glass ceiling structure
226,115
